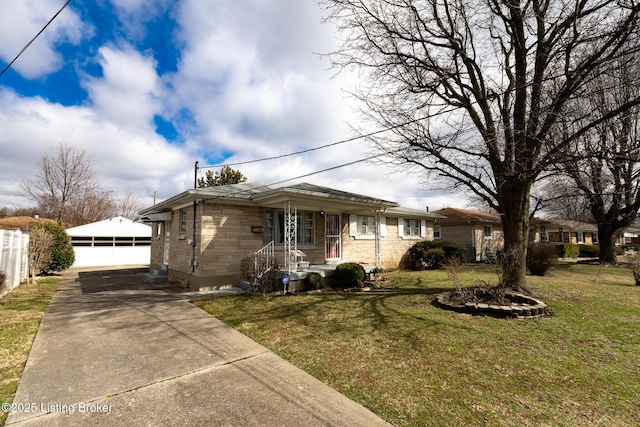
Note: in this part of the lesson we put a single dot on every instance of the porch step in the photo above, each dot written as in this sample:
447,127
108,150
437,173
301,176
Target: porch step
157,276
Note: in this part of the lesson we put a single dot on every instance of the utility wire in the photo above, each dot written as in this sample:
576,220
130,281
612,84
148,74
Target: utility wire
235,193
329,145
33,39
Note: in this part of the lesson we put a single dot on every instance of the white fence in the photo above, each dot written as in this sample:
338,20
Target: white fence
14,248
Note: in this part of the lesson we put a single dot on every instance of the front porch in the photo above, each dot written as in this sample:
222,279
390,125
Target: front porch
297,278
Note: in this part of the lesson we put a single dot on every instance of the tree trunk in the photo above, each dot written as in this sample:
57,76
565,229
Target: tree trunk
514,205
607,239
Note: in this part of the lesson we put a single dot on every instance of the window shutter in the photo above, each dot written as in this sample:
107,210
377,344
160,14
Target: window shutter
400,227
423,228
383,226
353,224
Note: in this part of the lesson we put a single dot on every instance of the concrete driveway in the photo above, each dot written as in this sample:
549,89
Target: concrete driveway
113,350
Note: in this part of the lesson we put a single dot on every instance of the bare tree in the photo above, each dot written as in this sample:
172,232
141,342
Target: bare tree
127,204
40,245
64,184
90,205
559,197
605,167
474,91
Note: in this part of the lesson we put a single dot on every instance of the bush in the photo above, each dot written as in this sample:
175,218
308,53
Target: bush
62,254
350,274
633,263
567,250
3,277
540,257
314,281
266,277
433,254
589,251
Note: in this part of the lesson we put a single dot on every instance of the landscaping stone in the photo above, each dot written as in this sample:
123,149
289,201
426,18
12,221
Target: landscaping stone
522,307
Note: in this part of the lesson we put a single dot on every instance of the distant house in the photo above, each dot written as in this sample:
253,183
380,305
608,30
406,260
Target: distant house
480,232
557,230
23,223
111,242
200,235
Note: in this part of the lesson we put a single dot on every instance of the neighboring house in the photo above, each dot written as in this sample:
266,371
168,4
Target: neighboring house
23,223
111,242
556,230
201,235
480,232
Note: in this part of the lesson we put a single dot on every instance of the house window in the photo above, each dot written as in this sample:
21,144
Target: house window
579,237
594,238
412,228
544,237
269,229
366,225
183,223
157,227
488,231
437,232
274,227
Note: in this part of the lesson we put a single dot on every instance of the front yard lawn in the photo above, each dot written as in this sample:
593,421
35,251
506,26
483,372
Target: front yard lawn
414,364
21,311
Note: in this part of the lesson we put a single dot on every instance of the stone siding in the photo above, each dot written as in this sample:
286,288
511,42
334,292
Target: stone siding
392,246
224,236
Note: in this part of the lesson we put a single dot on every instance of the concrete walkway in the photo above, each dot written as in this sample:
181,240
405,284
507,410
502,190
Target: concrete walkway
113,350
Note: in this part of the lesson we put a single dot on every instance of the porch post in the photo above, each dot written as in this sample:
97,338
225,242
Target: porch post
378,251
290,235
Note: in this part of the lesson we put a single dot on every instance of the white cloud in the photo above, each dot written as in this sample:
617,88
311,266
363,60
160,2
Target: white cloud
249,78
123,158
127,93
20,21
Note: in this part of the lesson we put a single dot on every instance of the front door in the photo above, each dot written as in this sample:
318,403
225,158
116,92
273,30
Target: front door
332,237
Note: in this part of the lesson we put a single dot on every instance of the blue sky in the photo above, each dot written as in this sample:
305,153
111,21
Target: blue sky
148,87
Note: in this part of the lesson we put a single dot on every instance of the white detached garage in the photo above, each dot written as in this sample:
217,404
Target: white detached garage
114,241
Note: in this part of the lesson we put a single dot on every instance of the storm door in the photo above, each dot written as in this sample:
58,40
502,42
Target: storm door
332,237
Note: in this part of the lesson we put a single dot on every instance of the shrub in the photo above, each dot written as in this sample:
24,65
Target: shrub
633,263
567,250
314,281
2,278
262,272
540,257
62,254
350,274
589,251
433,254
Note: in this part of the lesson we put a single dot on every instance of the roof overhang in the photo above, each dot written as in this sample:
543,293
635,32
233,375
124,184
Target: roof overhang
320,200
157,217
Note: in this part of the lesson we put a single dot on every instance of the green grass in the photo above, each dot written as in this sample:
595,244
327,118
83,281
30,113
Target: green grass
415,364
20,313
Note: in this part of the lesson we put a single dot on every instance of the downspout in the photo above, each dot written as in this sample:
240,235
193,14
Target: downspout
193,239
193,236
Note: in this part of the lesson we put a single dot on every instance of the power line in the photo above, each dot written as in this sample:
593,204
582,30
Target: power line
33,39
295,153
292,179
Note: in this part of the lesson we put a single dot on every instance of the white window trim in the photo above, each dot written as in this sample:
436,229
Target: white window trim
594,238
484,234
439,228
423,229
353,227
580,237
182,235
